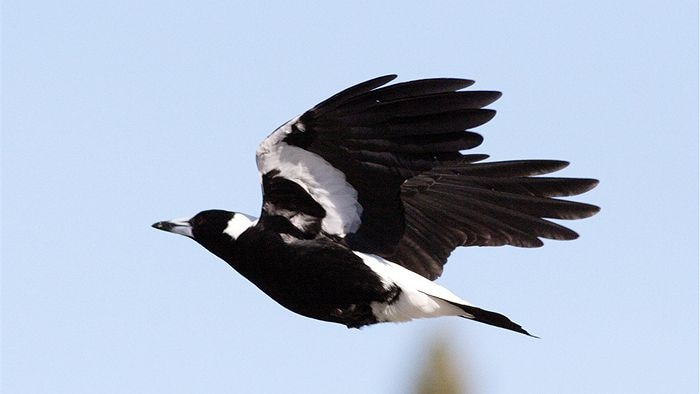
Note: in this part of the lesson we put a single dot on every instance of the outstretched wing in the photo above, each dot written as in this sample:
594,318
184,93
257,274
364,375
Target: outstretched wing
380,169
462,203
352,152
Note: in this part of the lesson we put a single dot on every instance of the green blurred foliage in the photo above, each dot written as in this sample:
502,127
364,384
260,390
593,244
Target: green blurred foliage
441,373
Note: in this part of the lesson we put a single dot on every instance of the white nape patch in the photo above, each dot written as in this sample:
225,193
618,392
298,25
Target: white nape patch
324,183
238,224
419,296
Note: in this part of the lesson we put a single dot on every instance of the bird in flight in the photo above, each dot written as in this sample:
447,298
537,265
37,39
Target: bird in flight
366,195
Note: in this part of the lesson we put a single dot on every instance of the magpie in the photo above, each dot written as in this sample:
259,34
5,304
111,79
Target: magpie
366,195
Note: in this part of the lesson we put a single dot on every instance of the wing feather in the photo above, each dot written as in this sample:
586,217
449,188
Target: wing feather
381,170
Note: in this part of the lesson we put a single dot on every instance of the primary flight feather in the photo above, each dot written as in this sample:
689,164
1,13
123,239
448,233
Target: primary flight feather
366,195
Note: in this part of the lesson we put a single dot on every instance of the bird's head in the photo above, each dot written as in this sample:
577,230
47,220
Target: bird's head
212,229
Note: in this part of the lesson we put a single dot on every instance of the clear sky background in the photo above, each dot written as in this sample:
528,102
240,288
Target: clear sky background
118,114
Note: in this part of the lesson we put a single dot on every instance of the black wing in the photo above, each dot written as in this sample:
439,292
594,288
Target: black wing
380,169
485,204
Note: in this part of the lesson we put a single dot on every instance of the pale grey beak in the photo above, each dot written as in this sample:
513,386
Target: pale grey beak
177,226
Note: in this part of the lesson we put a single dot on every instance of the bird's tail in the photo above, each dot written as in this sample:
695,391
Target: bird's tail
491,318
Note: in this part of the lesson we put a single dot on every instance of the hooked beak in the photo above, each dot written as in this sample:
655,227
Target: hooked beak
177,226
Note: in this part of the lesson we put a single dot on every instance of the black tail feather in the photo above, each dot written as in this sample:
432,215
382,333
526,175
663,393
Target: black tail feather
491,318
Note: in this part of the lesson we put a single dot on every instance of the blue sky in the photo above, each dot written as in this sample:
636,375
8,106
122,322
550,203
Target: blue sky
116,115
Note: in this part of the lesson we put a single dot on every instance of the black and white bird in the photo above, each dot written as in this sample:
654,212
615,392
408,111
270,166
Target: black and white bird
366,195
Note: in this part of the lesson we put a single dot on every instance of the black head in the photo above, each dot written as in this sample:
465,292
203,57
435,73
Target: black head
209,228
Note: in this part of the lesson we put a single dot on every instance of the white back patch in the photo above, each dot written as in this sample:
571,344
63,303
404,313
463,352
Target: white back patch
324,183
419,296
238,224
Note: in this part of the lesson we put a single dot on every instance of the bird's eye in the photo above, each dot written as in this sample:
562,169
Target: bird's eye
198,221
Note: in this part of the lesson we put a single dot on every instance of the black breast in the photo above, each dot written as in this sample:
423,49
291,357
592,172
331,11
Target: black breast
315,278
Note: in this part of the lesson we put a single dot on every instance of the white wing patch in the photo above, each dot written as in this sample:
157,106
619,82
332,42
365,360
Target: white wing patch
419,296
324,183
